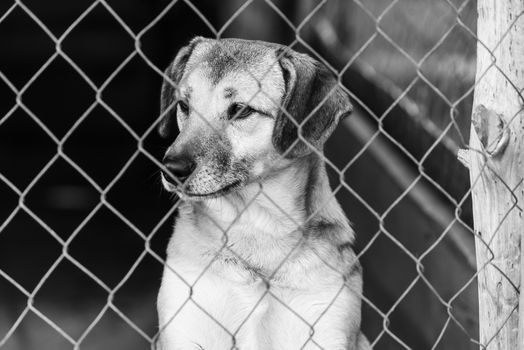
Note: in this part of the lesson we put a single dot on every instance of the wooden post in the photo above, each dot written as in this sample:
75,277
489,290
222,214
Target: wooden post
496,163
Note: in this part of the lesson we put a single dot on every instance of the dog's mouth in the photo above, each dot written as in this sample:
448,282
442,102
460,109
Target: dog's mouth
221,192
184,194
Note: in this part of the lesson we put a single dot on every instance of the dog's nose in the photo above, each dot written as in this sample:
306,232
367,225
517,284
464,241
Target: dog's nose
181,167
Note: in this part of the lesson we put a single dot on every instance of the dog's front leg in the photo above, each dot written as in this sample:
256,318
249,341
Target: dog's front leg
189,312
212,314
316,319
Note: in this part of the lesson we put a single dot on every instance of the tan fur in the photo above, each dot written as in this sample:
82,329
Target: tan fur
268,263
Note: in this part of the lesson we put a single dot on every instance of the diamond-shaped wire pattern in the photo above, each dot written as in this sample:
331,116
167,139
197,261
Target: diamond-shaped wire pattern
380,135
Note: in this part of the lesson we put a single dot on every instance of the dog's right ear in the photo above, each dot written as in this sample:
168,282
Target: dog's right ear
172,77
313,99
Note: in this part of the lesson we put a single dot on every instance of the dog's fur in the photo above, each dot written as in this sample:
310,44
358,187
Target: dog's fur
261,255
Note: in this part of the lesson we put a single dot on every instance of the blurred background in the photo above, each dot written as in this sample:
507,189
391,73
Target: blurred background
79,86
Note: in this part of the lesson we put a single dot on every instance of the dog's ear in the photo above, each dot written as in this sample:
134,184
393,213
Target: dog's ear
171,79
313,98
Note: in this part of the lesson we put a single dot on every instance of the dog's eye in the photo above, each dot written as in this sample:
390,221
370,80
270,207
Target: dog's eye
183,107
239,111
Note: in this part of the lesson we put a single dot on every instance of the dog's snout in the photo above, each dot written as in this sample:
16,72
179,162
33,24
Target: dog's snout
181,167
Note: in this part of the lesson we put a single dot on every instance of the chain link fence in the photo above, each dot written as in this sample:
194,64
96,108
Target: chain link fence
413,104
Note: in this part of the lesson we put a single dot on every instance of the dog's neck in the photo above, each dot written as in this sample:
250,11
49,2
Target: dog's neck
264,222
297,198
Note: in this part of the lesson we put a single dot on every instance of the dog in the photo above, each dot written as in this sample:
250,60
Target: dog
261,255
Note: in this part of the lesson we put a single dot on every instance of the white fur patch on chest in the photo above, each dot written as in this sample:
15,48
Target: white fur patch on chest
212,311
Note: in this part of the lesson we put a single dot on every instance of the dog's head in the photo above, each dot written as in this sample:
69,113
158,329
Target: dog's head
244,109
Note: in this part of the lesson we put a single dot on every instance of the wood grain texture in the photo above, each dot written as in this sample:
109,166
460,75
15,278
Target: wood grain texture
497,169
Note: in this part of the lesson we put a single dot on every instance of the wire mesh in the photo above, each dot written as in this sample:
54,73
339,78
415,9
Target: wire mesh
324,32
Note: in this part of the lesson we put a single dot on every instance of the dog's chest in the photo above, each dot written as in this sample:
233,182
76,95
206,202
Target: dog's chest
253,241
252,276
261,315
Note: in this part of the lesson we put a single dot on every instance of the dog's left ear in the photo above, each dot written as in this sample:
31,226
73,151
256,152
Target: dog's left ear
312,93
172,77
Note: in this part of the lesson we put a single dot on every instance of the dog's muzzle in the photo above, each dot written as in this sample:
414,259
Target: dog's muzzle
180,167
